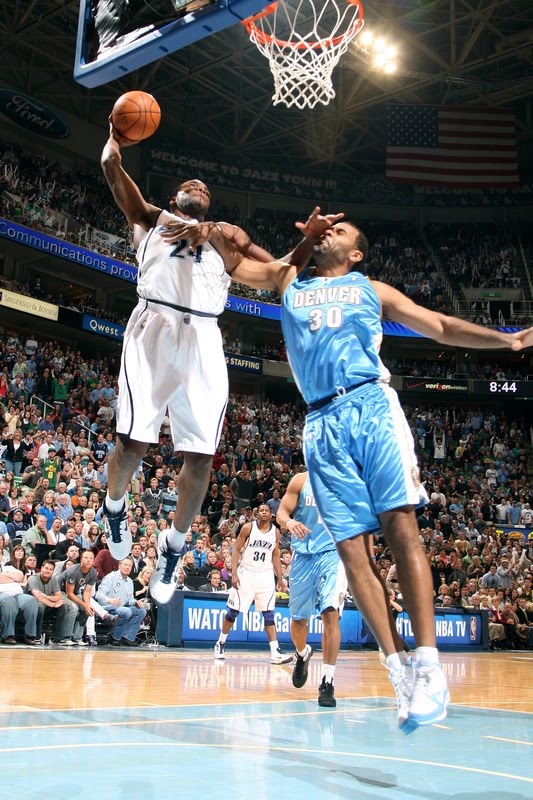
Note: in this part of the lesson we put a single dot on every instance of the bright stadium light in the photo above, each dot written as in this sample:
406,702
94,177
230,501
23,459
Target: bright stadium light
380,53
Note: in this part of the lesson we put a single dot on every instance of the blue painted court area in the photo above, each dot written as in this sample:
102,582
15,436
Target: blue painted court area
264,751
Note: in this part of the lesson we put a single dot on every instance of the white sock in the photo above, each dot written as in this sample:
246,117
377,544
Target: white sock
393,662
405,657
427,656
274,646
114,506
328,672
176,539
304,653
222,637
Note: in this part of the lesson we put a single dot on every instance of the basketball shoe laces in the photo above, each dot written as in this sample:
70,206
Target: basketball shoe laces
171,558
114,521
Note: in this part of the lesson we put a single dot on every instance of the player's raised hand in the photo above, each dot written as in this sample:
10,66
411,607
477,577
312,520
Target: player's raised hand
317,223
195,233
115,135
522,339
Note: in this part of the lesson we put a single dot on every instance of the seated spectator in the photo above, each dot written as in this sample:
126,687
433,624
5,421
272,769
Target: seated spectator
215,583
72,557
141,584
77,583
116,595
44,587
12,602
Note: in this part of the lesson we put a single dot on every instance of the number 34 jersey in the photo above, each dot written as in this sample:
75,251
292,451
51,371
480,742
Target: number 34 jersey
332,328
257,554
171,273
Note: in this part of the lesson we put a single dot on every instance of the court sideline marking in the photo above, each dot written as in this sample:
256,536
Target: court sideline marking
241,747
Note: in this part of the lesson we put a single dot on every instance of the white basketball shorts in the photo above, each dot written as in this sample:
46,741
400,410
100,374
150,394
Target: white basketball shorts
254,587
172,360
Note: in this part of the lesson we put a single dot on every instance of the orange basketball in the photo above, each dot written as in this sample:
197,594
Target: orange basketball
136,116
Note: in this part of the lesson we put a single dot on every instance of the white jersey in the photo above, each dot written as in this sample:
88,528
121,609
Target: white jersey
257,554
171,275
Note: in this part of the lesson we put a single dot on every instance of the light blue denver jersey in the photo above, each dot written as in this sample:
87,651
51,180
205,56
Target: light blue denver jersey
332,328
319,540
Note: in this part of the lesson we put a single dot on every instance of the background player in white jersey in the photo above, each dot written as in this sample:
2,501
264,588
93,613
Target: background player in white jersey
318,583
358,446
172,355
254,561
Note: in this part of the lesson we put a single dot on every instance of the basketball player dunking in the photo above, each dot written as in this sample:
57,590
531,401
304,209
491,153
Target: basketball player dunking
253,581
172,355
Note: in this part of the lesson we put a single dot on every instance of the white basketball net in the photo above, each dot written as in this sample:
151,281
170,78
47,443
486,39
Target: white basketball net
303,41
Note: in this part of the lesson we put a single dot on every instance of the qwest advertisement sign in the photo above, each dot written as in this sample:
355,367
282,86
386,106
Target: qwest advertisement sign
103,327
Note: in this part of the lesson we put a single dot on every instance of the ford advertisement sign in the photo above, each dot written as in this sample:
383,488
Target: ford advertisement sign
33,115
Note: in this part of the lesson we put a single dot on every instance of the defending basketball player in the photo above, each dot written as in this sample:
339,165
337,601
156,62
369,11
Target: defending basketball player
318,584
254,561
358,446
172,355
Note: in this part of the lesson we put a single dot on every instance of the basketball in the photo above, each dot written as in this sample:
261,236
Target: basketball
136,116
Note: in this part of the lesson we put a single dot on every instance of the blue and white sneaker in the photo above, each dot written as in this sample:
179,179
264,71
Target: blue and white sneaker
220,650
163,581
115,526
429,699
403,681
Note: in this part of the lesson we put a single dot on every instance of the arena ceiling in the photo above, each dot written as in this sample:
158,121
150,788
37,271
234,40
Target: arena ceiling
216,95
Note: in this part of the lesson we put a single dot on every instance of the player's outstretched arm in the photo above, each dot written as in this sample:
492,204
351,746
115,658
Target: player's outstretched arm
287,507
271,276
447,330
125,191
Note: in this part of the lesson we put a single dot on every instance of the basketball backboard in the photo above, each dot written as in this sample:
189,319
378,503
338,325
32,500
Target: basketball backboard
112,41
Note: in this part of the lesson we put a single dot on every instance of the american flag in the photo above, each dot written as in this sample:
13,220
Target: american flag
456,146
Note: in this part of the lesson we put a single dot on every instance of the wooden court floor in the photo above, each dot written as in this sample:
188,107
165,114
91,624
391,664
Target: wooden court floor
158,723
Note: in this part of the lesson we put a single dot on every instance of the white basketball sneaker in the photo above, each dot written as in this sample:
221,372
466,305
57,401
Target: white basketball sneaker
115,527
163,581
430,697
403,681
279,657
220,650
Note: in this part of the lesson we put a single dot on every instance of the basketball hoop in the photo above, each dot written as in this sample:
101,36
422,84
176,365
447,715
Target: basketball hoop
301,54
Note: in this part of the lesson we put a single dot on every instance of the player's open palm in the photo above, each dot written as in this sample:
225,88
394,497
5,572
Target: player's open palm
195,233
522,339
317,224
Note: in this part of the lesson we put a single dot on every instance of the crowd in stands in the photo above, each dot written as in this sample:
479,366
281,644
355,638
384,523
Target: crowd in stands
448,368
58,411
477,257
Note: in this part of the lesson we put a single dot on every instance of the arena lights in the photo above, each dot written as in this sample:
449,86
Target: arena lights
378,51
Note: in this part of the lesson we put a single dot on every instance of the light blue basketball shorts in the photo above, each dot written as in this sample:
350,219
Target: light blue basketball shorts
317,582
361,460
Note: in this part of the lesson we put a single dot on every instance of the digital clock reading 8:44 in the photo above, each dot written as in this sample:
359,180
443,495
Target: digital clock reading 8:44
494,386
